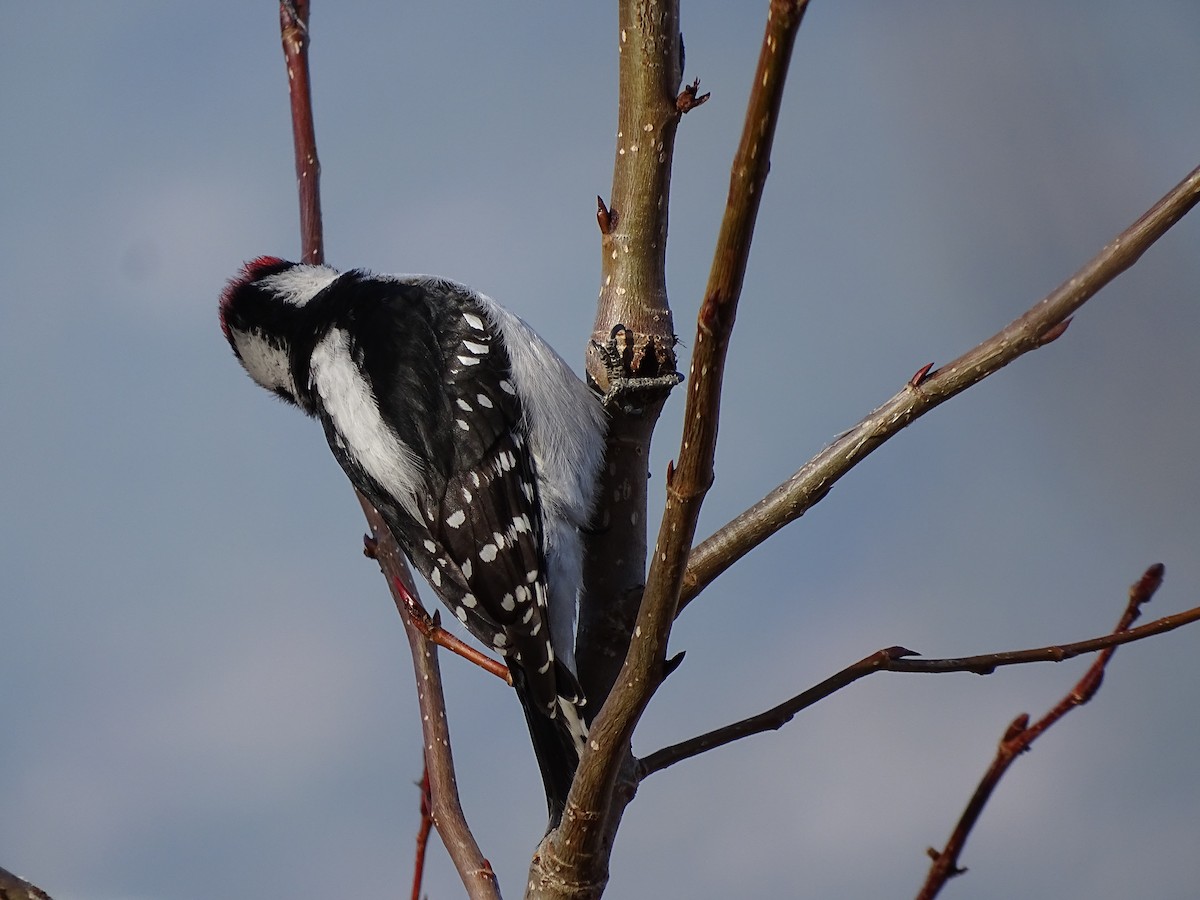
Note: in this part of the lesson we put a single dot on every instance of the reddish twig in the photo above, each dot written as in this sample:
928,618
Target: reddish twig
431,628
293,31
422,835
898,659
446,810
1020,735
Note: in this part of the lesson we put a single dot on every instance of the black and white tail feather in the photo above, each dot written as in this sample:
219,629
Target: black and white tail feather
478,445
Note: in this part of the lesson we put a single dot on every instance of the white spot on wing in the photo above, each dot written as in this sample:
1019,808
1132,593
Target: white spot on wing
456,519
474,321
477,349
487,552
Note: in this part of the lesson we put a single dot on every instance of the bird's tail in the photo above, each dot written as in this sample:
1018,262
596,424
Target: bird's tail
557,742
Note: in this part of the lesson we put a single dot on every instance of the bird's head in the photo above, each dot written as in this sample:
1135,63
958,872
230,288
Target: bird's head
263,318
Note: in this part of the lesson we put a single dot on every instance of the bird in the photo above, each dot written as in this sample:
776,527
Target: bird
478,445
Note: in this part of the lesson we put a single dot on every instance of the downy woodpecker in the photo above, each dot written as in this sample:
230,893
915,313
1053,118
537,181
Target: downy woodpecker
478,445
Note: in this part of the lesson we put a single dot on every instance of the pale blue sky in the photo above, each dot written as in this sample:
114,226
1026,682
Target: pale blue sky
203,682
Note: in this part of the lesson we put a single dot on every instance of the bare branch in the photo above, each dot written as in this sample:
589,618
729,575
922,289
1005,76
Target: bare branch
633,294
431,628
1020,735
770,720
446,811
14,888
422,835
1043,323
642,670
898,659
293,29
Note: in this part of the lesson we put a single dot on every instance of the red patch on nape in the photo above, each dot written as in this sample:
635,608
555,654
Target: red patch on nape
253,268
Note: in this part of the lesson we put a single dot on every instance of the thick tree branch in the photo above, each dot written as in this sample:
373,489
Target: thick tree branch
633,294
579,846
1020,735
14,888
1040,325
898,659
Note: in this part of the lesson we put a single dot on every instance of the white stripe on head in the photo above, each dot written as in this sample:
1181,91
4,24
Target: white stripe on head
300,283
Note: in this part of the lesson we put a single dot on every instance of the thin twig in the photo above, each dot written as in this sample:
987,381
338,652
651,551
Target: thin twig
446,810
1041,324
772,719
431,627
293,30
898,659
1020,735
422,835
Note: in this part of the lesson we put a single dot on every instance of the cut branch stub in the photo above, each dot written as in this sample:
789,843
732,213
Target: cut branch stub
639,369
